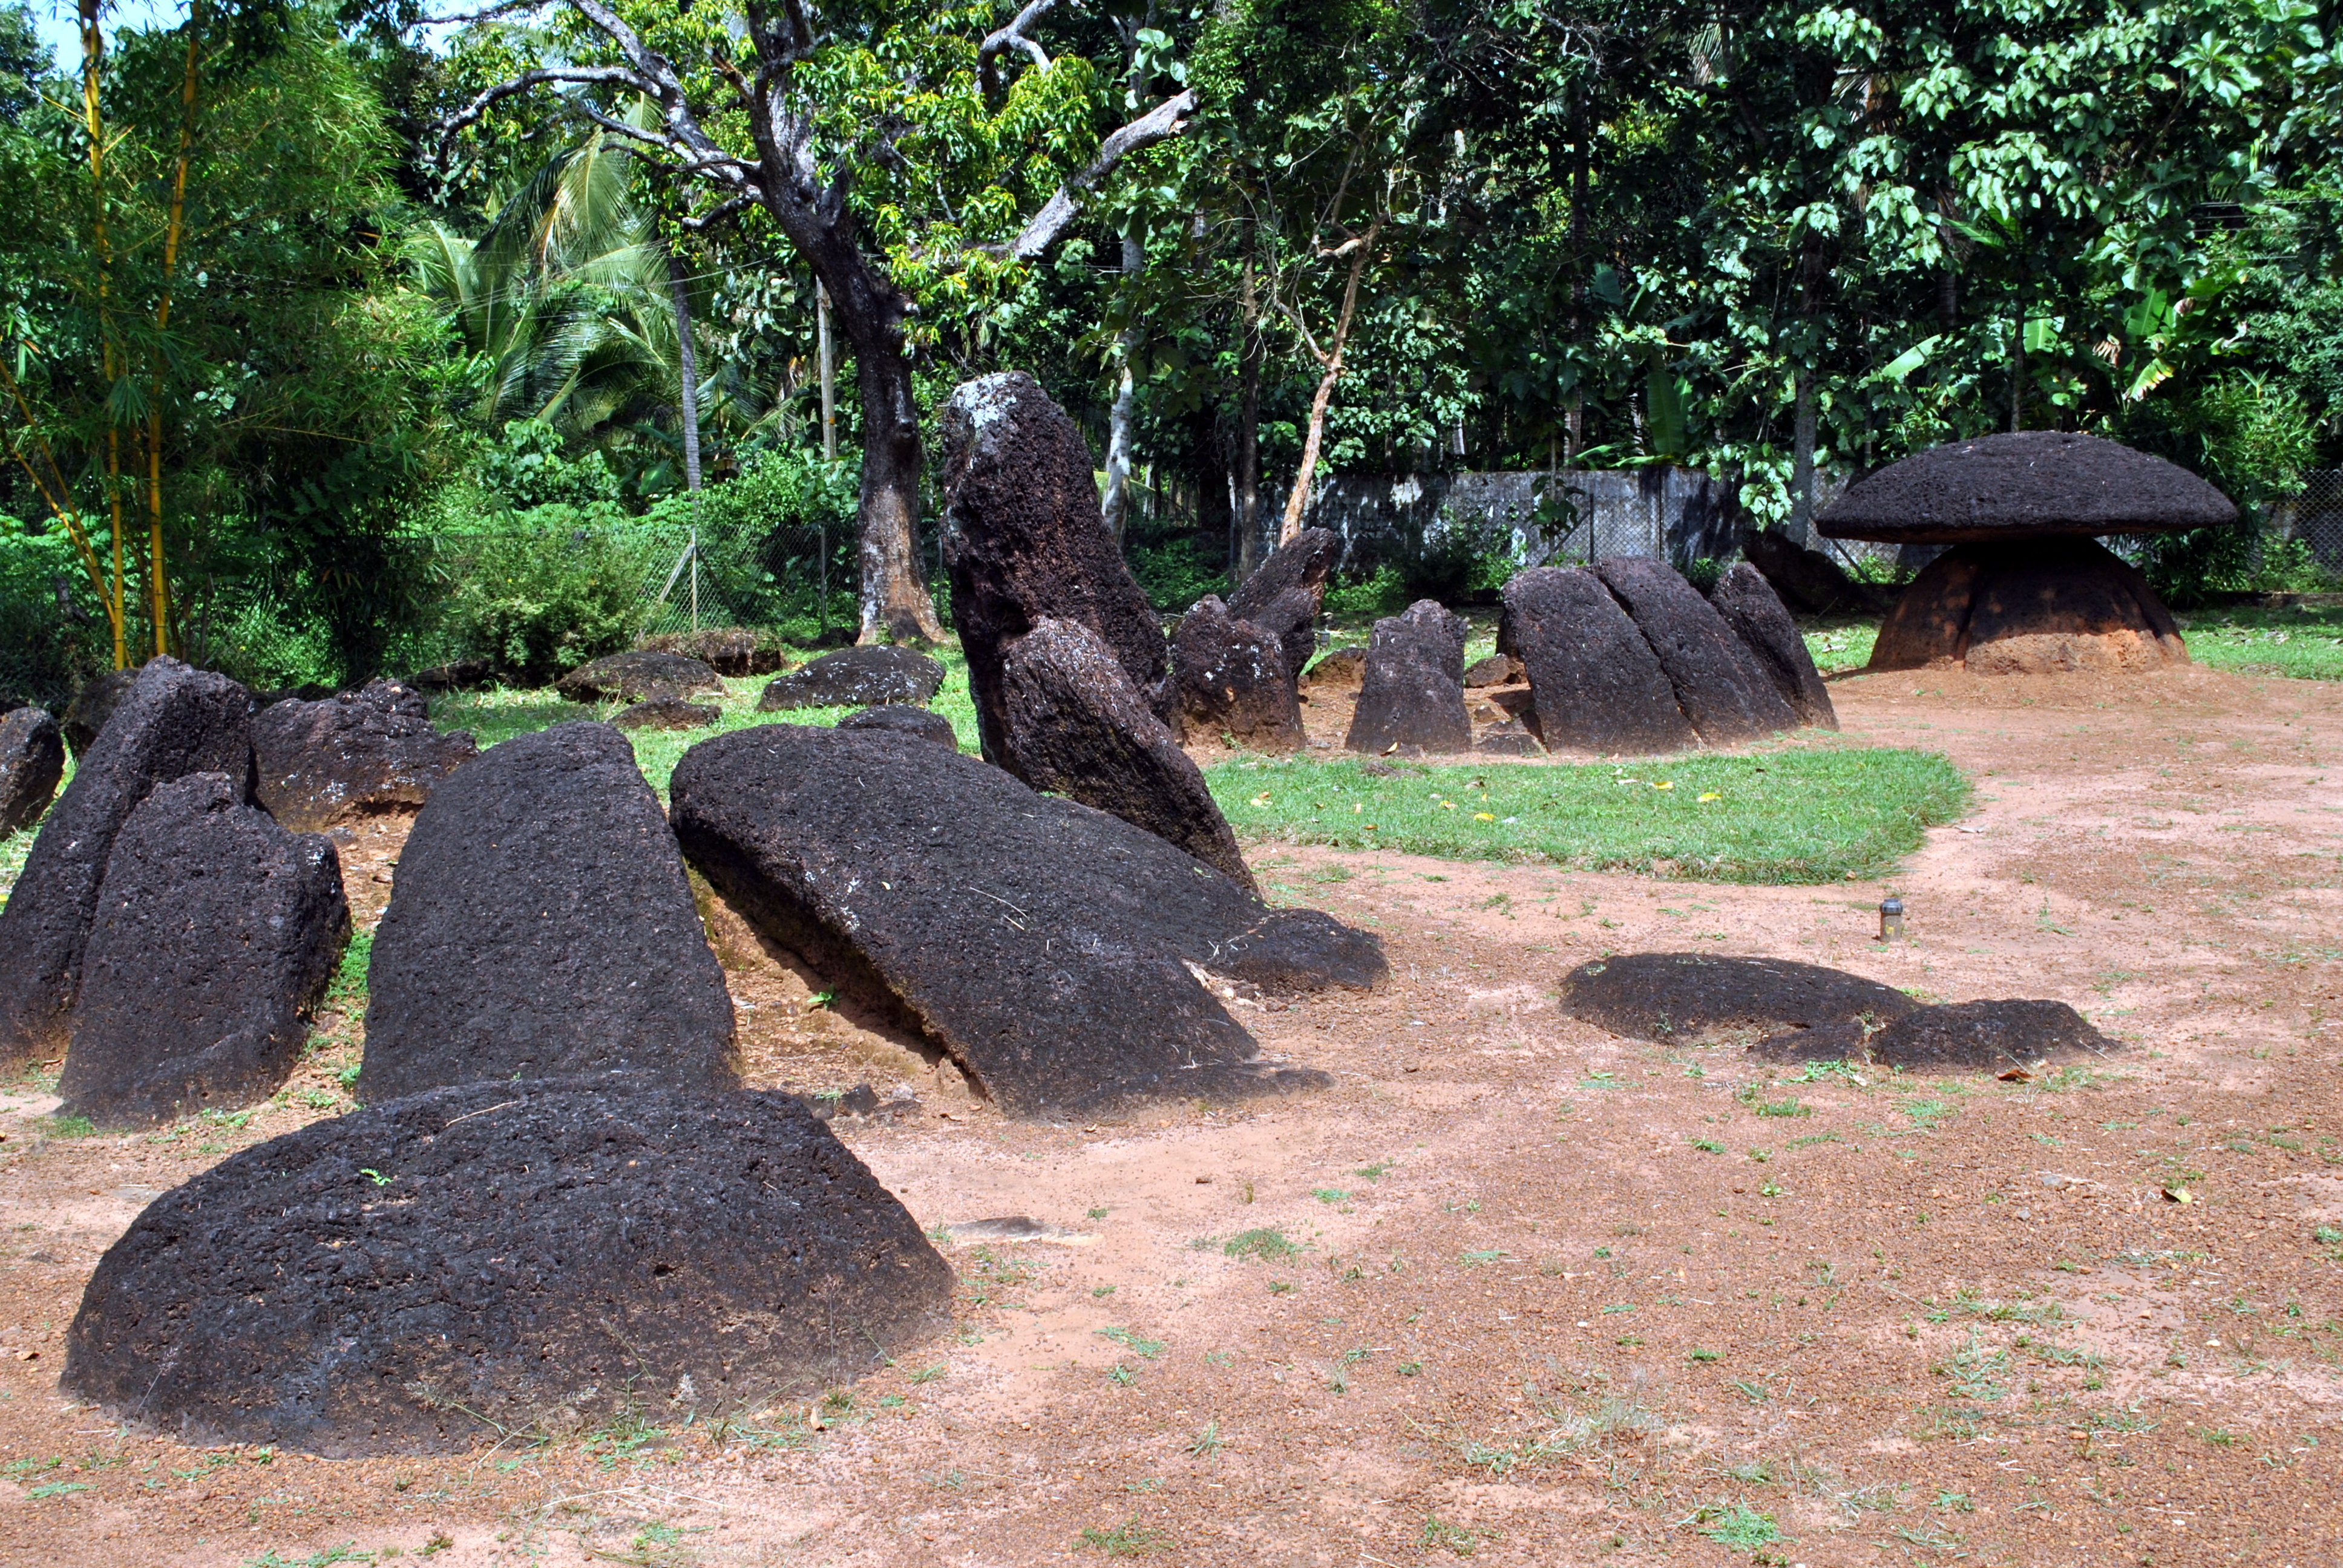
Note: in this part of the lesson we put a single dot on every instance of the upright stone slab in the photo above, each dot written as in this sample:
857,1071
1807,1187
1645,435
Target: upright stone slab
1023,542
91,706
1716,685
172,721
1044,945
1413,690
31,760
1074,726
542,927
1286,592
856,677
497,1259
1594,683
1233,677
217,931
374,750
1770,638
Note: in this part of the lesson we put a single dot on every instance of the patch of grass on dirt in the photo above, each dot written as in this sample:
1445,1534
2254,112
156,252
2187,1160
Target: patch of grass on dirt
500,713
1787,817
1270,1246
1846,645
1737,1525
2303,644
1128,1539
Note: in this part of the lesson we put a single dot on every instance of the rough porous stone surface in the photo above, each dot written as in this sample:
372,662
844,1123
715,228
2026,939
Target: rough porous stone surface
174,721
2024,483
729,651
638,675
31,760
542,1255
1497,670
667,713
856,677
1042,945
1343,669
1704,998
1771,642
1956,1036
1594,683
374,750
1716,685
2053,606
900,721
1074,726
1809,579
541,925
1286,592
1509,738
1233,679
217,931
457,675
1412,693
1024,542
91,706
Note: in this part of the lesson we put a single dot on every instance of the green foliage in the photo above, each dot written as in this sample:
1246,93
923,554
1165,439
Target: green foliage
528,468
1175,573
553,589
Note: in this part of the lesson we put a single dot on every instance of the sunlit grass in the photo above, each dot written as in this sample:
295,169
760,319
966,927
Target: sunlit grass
500,713
2305,643
1814,815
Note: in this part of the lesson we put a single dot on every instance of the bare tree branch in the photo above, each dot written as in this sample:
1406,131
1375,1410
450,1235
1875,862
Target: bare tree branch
988,55
471,113
1160,124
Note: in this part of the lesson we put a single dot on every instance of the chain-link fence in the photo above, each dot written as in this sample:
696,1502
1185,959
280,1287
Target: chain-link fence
2314,519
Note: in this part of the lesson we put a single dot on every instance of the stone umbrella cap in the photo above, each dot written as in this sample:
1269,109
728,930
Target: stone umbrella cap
2021,485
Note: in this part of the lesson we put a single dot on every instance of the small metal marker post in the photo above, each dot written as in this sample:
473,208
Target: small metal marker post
1891,920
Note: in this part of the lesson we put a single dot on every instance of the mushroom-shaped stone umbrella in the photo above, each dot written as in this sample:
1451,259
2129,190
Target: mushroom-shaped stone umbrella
2026,587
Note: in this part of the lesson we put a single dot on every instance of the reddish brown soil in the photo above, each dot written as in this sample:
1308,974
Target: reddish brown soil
1530,1318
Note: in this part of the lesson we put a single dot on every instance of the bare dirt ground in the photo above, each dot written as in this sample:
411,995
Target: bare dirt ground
1516,1290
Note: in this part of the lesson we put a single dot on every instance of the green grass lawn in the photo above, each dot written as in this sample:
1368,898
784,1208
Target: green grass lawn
1811,815
500,713
2300,644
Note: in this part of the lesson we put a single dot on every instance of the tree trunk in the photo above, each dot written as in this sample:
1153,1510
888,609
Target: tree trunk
1118,429
1246,522
895,601
687,364
1299,497
1801,462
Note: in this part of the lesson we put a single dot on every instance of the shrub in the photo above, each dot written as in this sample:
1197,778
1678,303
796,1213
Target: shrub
552,589
1173,573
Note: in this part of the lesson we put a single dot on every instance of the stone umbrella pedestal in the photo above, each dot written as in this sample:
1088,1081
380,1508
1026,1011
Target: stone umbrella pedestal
2026,588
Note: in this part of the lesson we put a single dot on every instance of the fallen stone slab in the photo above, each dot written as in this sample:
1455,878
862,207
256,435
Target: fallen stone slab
639,675
1024,542
856,677
174,721
91,706
505,1259
1233,679
1706,997
319,764
913,721
1286,593
542,927
1342,670
1772,641
1510,737
667,713
217,931
1497,670
729,651
1716,685
1594,683
1412,693
2009,1035
1074,726
31,760
1045,946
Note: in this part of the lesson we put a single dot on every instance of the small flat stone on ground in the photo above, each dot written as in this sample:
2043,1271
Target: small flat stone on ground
856,677
667,713
1705,998
639,675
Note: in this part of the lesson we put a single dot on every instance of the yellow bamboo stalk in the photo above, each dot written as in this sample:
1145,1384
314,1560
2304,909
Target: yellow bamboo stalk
93,55
158,581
